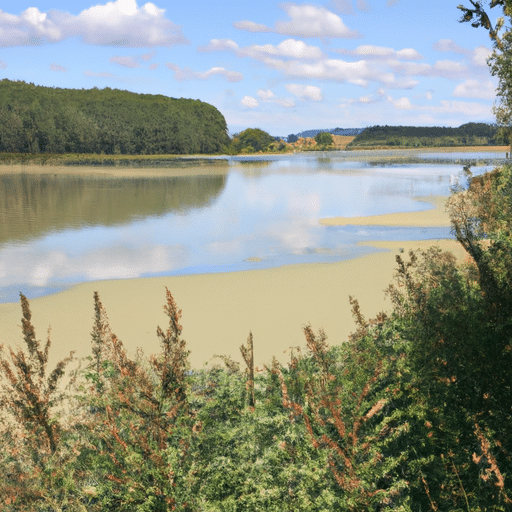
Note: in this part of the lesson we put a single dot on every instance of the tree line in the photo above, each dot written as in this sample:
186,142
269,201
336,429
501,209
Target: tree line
36,119
469,134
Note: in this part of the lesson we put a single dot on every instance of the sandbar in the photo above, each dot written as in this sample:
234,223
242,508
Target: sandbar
436,216
219,310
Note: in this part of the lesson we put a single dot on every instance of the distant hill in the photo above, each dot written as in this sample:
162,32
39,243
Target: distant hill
36,119
469,134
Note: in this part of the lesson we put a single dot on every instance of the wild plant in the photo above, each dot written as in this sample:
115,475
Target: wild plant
139,422
32,427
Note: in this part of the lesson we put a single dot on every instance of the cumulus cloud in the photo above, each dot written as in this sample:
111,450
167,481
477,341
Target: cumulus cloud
475,89
265,95
219,45
471,109
447,45
287,49
125,61
269,97
370,51
119,23
249,101
285,102
305,21
305,92
442,68
403,103
56,67
358,73
187,73
290,48
3,64
480,56
466,108
250,26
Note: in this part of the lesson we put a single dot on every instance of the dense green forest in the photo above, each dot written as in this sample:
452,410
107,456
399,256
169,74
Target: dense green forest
411,413
470,134
35,119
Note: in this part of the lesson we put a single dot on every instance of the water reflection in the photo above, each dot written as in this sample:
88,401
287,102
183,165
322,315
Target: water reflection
31,205
60,230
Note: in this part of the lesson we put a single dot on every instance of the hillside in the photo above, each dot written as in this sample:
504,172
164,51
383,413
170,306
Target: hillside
36,119
470,134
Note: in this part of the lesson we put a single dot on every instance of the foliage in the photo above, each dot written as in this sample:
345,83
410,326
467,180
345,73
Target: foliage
251,140
324,139
35,119
411,413
470,134
500,63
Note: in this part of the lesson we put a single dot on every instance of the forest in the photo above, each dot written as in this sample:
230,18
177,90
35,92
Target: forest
36,119
411,413
469,134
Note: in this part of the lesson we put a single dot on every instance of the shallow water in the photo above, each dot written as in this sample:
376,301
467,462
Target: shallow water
58,229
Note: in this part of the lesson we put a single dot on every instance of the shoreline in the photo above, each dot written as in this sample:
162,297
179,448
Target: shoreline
435,216
219,310
114,162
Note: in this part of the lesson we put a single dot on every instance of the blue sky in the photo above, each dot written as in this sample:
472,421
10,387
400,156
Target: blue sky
282,67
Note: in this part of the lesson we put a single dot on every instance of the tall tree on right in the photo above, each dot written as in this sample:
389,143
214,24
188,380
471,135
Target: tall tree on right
500,61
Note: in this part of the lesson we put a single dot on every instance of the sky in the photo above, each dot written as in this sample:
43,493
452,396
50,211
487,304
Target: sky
282,67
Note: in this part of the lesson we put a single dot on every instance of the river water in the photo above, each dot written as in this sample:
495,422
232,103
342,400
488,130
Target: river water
61,226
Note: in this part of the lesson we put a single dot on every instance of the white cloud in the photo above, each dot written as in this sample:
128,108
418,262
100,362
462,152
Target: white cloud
475,89
471,109
187,73
442,68
402,103
447,45
305,21
56,67
286,102
3,64
371,51
428,95
265,95
288,49
408,54
219,45
480,56
126,61
250,26
306,92
269,96
358,73
119,23
249,101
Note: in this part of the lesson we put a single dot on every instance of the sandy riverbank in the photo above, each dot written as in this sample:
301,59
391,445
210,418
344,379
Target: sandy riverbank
435,216
219,310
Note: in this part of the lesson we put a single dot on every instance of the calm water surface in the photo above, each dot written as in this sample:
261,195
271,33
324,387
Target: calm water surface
236,214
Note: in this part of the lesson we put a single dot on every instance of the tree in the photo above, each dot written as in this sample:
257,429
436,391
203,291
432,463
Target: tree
500,62
251,140
324,139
